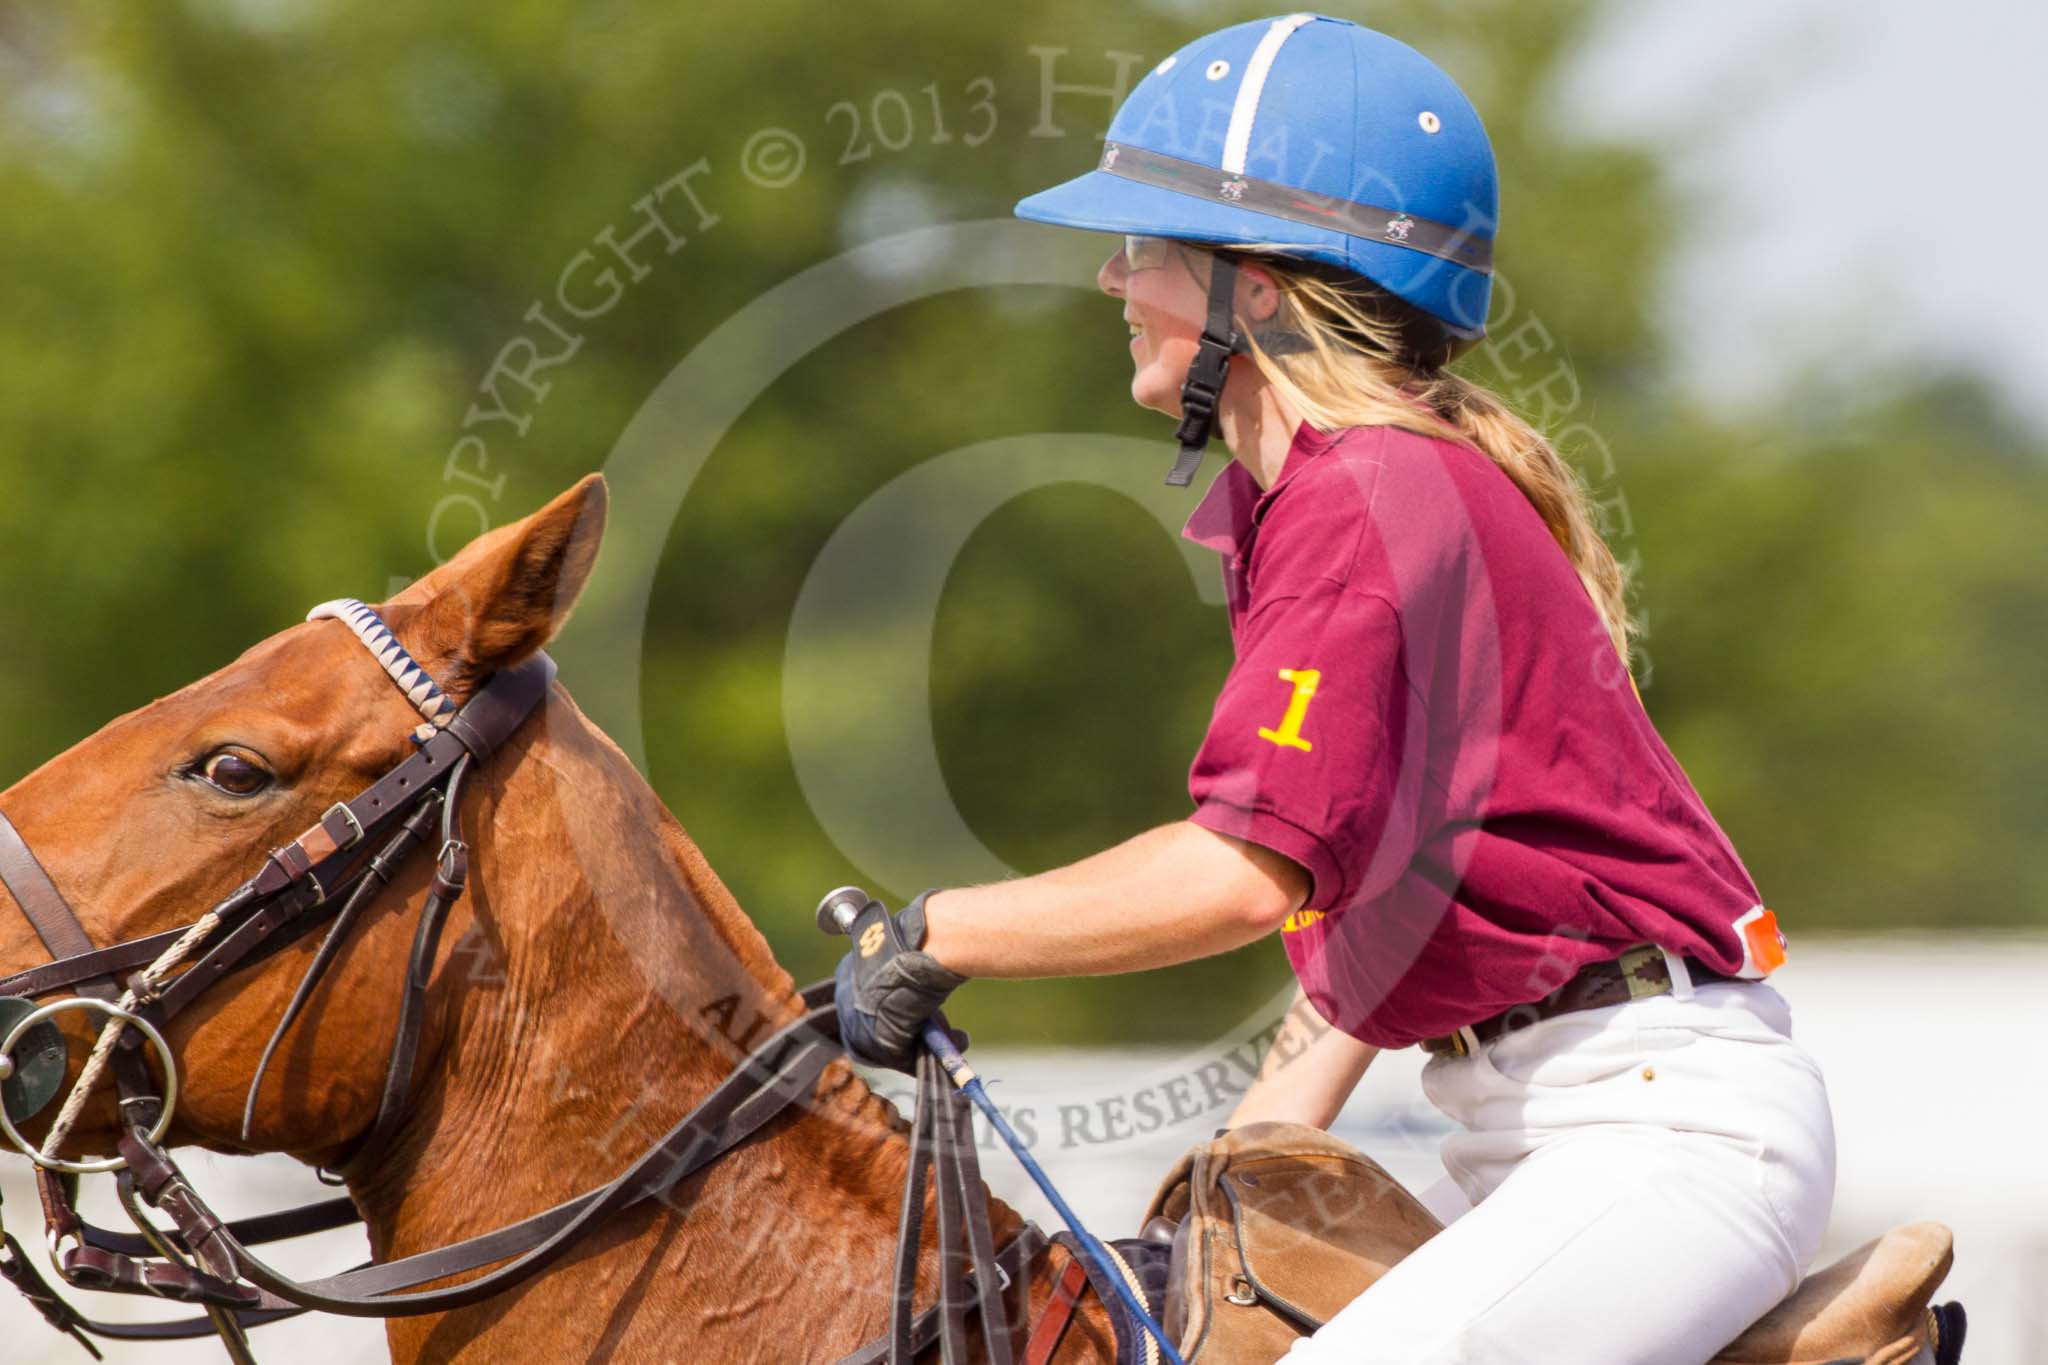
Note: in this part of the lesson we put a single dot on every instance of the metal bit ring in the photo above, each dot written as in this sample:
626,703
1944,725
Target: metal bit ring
112,1011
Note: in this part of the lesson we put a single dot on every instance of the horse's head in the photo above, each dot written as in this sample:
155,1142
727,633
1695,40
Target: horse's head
149,823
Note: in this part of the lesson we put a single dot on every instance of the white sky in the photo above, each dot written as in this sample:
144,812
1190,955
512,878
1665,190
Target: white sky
1863,183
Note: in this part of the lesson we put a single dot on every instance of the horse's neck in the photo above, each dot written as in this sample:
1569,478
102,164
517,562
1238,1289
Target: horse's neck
609,982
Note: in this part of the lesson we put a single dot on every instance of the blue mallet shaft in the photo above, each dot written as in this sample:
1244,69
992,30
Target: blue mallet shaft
836,914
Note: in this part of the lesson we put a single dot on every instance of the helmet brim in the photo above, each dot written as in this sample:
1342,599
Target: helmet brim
1101,202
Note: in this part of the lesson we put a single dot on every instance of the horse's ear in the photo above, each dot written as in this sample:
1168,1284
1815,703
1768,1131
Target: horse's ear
506,594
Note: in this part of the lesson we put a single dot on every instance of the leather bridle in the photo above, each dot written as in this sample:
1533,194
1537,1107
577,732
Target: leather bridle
330,874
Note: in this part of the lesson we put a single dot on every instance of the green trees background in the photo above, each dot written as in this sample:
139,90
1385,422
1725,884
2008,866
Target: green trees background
257,262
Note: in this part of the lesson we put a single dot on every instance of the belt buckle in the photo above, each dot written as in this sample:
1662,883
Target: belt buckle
1457,1043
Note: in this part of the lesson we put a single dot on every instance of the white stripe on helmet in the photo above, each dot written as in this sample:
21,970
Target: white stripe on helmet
1237,142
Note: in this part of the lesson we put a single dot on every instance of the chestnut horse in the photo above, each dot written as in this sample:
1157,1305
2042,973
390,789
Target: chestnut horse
598,981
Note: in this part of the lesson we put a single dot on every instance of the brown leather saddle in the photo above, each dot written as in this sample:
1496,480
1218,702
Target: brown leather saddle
1274,1227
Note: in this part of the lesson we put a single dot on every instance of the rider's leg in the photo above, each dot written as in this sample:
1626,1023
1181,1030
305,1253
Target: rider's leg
1648,1179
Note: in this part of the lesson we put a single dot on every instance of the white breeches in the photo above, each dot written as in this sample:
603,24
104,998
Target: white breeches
1646,1180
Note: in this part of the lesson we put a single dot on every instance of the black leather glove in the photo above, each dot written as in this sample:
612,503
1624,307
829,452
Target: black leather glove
885,988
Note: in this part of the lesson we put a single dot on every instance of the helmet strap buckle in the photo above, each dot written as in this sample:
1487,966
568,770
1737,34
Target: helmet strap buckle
1202,390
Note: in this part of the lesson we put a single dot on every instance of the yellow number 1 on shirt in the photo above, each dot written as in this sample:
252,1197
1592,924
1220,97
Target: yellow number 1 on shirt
1288,736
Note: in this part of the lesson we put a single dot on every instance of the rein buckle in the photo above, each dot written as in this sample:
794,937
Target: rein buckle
451,870
352,828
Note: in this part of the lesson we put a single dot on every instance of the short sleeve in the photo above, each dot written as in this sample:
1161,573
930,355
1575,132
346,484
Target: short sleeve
1317,743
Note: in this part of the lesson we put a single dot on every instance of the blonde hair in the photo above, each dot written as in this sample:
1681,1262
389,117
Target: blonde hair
1356,356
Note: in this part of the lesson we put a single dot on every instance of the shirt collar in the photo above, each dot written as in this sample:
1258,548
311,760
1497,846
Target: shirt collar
1229,513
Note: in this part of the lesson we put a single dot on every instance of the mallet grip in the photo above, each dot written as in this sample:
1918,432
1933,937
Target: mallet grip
840,908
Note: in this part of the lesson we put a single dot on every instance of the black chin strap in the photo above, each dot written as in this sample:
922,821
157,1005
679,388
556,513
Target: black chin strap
1203,388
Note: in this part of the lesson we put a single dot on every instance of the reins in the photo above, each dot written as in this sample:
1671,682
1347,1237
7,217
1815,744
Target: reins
330,874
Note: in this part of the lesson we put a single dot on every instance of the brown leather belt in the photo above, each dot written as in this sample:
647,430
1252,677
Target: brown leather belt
1637,974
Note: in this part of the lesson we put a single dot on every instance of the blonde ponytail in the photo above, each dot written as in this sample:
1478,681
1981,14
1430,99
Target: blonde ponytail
1355,356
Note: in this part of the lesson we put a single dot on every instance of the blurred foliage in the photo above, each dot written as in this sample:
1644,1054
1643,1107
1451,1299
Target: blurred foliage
259,257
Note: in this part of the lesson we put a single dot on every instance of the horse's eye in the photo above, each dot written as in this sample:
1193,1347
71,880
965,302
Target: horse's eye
232,773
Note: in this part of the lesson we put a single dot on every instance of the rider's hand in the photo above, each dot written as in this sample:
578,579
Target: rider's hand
885,988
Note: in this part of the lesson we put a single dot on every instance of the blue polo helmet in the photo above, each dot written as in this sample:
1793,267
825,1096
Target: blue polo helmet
1313,135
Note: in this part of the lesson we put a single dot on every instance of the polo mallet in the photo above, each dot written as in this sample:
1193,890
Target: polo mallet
837,914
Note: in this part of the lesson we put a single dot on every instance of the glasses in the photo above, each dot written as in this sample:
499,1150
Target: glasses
1147,253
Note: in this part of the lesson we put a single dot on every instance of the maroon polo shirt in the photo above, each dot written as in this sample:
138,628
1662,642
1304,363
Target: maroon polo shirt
1426,713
